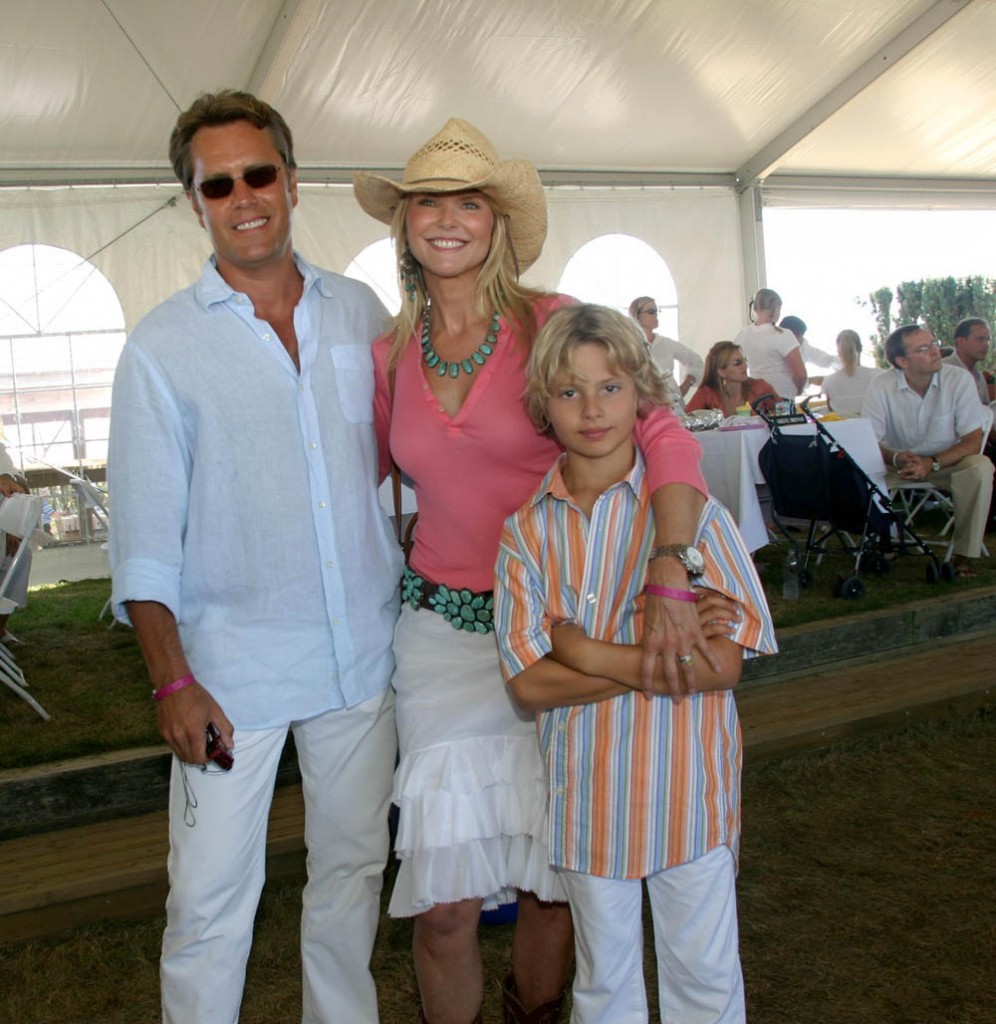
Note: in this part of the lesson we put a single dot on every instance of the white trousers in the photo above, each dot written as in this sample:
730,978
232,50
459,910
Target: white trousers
694,909
970,482
217,867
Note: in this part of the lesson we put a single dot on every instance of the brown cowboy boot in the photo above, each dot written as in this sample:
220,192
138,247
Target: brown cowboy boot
516,1013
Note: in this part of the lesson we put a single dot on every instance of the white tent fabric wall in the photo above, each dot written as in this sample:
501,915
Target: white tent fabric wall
149,249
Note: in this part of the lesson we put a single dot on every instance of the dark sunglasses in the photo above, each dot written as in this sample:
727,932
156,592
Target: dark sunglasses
254,177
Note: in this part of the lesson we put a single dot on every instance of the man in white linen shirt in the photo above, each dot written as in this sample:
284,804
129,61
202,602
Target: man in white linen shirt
929,423
250,553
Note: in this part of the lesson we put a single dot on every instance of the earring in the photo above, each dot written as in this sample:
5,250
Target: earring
410,274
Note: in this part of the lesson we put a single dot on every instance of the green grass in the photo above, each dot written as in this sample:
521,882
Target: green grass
93,683
89,678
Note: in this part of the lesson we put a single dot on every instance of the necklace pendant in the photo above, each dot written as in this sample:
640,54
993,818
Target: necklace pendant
442,367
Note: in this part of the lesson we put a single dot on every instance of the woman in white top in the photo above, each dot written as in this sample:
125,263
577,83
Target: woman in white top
665,351
845,389
773,352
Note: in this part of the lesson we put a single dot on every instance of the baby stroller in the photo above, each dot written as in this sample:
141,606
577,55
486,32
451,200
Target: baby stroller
812,477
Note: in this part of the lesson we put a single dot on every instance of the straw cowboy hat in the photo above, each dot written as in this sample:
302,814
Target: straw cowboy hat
459,159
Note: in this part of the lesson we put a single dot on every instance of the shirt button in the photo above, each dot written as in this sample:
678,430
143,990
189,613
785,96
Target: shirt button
266,337
330,565
312,445
321,504
590,598
335,622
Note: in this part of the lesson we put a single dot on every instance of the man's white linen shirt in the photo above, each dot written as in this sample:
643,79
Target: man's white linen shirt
245,496
904,421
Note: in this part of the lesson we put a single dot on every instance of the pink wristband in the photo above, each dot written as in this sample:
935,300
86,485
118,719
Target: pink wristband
676,595
177,684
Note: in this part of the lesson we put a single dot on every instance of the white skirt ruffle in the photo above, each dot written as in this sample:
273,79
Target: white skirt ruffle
471,786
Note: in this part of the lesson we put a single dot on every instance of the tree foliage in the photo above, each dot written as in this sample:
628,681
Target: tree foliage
939,302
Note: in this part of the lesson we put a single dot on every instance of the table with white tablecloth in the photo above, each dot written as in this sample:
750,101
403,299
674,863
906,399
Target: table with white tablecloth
730,466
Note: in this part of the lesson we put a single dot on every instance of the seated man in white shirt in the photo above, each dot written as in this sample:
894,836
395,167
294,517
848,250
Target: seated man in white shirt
929,422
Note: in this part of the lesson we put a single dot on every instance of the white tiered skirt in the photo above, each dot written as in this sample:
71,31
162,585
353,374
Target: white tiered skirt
470,786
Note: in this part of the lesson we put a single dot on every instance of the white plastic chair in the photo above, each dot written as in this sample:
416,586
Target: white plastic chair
913,496
19,516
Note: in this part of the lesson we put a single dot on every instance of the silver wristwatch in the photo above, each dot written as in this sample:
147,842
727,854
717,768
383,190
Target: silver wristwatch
690,557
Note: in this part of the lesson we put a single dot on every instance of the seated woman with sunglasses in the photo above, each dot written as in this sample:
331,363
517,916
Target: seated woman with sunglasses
725,384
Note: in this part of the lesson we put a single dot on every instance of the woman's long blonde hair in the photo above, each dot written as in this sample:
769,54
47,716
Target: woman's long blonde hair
849,350
498,287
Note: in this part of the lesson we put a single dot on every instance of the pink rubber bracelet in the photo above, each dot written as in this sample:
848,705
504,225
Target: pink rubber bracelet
177,684
676,595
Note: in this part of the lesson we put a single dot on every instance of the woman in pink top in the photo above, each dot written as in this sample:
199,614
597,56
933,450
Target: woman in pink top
470,784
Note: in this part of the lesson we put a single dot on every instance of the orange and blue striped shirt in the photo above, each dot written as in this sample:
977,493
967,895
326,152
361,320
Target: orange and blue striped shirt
635,786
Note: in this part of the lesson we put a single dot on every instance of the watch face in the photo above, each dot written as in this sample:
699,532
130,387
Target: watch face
694,560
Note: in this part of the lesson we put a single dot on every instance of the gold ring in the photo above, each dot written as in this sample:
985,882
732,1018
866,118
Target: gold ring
685,659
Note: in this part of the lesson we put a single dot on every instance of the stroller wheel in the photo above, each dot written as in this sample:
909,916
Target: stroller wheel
805,578
933,574
948,573
852,588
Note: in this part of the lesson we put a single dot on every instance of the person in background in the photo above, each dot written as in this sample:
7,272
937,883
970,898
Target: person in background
640,787
810,353
845,389
450,377
928,421
971,346
773,352
663,350
13,482
726,384
972,339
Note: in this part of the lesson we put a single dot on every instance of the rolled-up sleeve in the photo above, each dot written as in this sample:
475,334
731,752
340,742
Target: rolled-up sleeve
148,472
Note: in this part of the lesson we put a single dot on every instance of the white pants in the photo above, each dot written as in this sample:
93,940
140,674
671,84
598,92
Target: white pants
217,867
970,482
694,909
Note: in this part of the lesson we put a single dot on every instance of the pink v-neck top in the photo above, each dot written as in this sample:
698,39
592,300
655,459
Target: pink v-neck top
472,470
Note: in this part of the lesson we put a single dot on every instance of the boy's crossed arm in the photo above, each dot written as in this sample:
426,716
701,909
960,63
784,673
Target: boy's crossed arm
580,670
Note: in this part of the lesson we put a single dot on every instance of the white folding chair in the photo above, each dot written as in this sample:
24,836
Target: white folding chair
914,497
19,516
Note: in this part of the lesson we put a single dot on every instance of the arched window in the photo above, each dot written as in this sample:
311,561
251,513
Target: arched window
612,270
375,265
61,332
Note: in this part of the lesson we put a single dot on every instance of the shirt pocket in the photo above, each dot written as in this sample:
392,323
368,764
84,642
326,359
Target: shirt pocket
354,378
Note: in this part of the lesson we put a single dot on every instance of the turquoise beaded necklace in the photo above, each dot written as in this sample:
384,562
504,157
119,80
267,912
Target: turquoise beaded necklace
453,367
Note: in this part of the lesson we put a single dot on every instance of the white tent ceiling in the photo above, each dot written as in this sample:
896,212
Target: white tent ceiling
716,95
840,87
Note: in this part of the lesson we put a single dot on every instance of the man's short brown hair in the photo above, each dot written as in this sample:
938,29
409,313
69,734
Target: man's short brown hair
225,107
